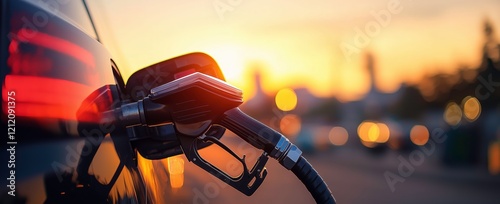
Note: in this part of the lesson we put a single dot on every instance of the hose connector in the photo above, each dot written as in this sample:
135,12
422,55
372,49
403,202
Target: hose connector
291,157
286,153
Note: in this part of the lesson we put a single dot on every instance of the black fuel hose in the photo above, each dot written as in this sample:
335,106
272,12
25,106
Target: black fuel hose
313,181
267,139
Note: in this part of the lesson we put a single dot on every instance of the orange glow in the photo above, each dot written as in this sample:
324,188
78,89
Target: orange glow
290,125
419,135
283,36
148,175
384,133
221,159
176,181
338,136
26,191
373,132
494,158
107,157
176,171
124,186
363,129
105,165
286,99
368,144
471,107
230,60
452,114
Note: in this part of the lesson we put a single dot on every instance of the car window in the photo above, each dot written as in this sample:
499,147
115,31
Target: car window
71,10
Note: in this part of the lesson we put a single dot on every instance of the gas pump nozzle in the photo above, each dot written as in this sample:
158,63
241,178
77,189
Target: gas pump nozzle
196,102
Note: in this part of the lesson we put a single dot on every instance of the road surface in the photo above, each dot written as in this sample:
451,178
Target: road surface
354,175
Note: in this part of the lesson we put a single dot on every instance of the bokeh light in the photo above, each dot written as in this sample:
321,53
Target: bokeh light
176,171
363,130
338,136
286,99
373,132
494,158
290,125
384,133
452,114
471,107
419,135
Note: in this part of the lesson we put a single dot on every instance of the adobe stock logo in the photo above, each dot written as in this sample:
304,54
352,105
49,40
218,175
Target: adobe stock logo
417,157
406,167
363,35
224,6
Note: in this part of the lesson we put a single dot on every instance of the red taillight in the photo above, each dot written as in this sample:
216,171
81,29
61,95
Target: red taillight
42,70
45,97
28,63
60,45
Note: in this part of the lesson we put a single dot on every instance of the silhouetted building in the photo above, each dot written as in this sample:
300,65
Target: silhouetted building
469,142
260,105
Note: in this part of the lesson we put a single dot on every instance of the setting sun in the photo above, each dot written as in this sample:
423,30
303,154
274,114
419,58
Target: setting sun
305,51
233,101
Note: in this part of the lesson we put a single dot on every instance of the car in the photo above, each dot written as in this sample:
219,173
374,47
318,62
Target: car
57,77
77,133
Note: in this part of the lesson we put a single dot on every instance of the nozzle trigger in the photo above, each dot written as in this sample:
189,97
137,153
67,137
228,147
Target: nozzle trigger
247,182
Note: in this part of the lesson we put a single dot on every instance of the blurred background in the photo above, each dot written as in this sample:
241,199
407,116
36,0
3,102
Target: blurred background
391,100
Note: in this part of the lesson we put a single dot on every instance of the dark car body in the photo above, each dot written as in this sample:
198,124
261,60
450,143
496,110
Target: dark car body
55,75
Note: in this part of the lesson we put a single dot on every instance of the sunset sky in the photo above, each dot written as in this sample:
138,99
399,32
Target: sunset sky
302,44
